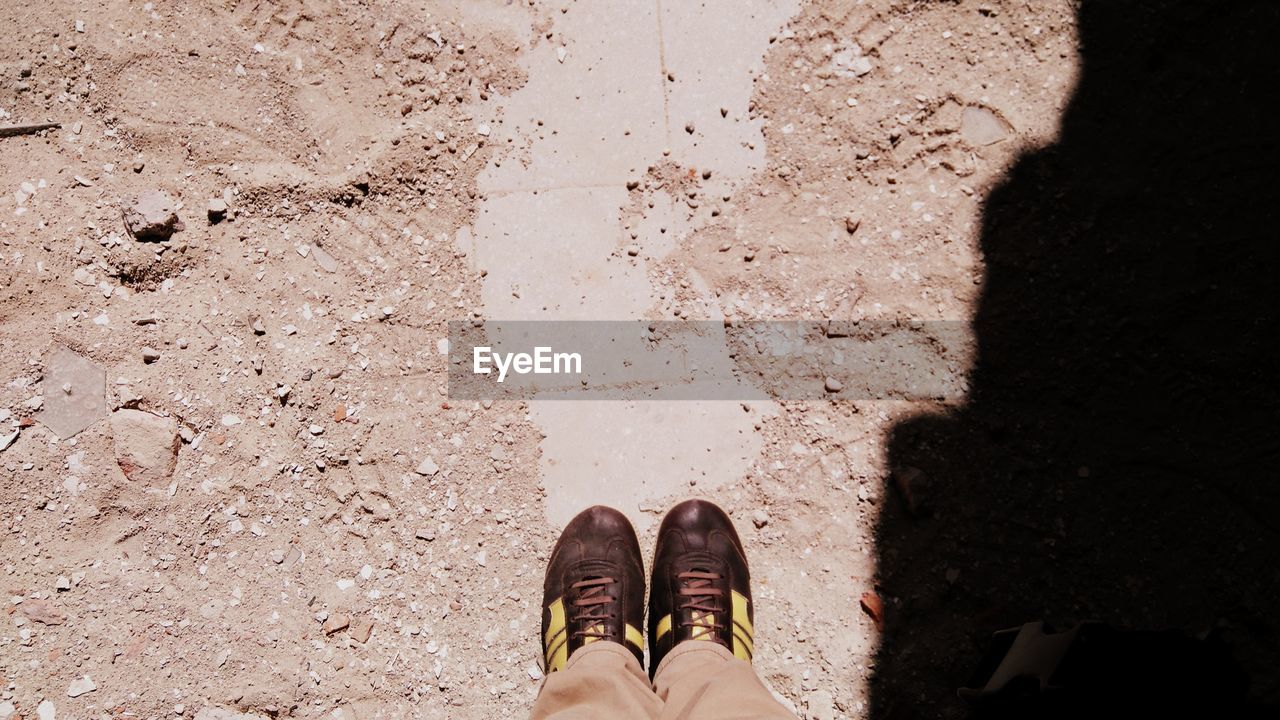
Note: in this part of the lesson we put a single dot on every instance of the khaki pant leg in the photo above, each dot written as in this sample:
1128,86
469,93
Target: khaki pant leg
601,680
701,680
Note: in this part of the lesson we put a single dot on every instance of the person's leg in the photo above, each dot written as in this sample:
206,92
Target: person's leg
592,611
701,680
702,621
601,680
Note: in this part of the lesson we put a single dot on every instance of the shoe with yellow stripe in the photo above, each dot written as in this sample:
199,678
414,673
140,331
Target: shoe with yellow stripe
701,588
594,588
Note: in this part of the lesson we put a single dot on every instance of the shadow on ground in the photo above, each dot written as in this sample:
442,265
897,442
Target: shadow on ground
1116,459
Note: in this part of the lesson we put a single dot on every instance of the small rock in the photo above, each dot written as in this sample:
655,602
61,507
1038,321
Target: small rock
7,710
152,217
63,583
83,686
833,385
851,224
146,445
425,534
334,623
873,606
427,467
361,629
760,518
255,324
42,612
482,558
911,482
217,210
980,126
633,250
46,710
150,354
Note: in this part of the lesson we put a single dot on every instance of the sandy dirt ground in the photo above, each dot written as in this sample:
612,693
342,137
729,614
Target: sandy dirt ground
277,510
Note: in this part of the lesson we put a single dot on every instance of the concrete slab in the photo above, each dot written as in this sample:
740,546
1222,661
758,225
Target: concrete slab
597,110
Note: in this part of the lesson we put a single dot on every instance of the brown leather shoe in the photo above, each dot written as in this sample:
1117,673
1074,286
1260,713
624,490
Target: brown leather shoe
594,588
701,586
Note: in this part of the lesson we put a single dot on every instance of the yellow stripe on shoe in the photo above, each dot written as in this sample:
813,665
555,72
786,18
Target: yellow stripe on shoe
634,637
743,632
664,627
556,643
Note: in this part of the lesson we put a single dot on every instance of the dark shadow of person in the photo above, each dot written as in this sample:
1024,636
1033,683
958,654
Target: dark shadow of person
1116,459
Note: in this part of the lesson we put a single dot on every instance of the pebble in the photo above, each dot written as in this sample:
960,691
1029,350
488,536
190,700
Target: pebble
760,518
153,216
150,354
334,623
255,324
146,445
833,385
63,583
361,629
83,686
427,467
217,210
46,710
911,482
980,126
